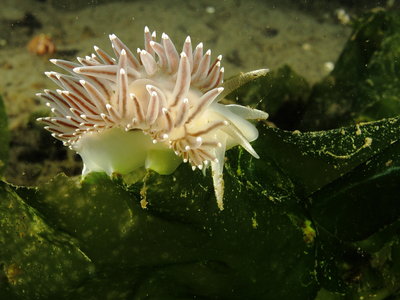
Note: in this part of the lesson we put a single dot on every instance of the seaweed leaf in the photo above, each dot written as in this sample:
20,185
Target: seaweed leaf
181,239
365,84
36,261
314,159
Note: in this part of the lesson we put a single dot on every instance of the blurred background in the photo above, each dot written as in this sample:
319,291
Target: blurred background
307,35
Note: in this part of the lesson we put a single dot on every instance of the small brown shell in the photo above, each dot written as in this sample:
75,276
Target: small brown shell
41,44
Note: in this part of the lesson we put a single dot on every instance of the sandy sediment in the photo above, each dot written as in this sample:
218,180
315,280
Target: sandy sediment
249,34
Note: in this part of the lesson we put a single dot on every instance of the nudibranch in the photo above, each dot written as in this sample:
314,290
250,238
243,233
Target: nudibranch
155,109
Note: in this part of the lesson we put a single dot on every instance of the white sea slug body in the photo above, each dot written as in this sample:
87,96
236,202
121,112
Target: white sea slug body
154,109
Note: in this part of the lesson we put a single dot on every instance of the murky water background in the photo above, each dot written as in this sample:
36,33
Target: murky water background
307,35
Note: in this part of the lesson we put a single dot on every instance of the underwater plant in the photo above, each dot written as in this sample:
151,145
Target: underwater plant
125,113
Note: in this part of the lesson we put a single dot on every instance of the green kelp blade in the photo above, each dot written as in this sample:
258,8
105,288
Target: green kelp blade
365,84
365,200
314,159
37,261
181,239
254,242
110,222
383,84
358,220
